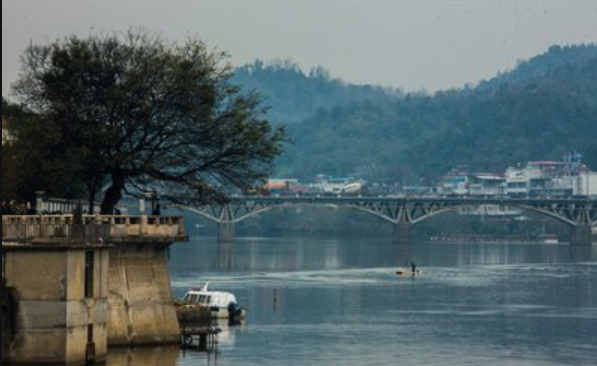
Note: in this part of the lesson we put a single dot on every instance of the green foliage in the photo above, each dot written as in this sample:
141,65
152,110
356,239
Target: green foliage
137,112
544,108
294,96
26,168
529,116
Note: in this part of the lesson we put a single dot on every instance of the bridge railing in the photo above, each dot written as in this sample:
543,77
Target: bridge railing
90,228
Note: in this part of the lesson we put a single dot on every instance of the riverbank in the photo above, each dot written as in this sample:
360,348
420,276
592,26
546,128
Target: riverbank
492,238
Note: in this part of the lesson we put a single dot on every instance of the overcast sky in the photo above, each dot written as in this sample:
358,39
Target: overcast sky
408,44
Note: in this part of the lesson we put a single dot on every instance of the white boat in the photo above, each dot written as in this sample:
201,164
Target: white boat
222,304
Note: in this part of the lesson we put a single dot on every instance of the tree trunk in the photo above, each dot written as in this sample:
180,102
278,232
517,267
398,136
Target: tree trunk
113,195
91,203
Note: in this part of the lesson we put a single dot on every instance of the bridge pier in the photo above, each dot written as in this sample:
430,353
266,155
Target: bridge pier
226,232
139,308
402,238
581,235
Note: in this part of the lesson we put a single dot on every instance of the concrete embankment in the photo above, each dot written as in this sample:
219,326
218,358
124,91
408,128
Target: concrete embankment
140,308
83,285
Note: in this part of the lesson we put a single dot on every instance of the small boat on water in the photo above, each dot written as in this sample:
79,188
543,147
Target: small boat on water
411,270
408,272
222,304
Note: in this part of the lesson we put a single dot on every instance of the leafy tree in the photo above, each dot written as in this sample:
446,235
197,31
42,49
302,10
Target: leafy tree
136,112
9,181
26,170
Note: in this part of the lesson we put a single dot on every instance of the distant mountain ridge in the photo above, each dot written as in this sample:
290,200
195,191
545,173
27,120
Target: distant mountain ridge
555,60
542,109
294,95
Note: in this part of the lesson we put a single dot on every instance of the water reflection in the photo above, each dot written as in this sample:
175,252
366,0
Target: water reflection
582,253
333,302
226,258
290,254
144,356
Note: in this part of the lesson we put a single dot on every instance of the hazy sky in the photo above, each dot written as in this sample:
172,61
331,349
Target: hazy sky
408,44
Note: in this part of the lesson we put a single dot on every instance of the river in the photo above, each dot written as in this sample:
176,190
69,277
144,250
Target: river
339,302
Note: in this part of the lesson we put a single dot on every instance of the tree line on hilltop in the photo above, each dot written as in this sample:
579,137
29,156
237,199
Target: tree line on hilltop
542,109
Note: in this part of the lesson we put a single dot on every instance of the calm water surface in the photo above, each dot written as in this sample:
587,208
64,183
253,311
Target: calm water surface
339,302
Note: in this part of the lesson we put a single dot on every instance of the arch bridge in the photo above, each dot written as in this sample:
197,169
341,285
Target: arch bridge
403,212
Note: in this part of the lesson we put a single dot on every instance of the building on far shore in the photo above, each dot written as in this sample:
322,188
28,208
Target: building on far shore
568,177
546,178
588,183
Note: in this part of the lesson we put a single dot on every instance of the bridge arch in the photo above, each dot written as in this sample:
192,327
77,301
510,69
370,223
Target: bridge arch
580,214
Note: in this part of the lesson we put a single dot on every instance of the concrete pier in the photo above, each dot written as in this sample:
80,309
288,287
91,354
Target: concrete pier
81,285
226,232
401,238
581,234
59,308
140,309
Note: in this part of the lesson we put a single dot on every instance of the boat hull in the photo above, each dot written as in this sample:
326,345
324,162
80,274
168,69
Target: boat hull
408,272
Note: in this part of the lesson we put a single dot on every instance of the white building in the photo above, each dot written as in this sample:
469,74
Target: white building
565,178
330,185
487,184
550,178
456,181
460,182
587,183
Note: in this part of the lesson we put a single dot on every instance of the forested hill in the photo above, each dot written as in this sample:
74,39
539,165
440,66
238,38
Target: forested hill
542,109
556,60
293,95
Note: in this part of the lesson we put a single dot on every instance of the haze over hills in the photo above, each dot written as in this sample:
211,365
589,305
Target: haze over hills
544,108
294,95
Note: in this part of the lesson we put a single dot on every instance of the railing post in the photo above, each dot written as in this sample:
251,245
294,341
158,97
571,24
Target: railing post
180,226
39,202
143,227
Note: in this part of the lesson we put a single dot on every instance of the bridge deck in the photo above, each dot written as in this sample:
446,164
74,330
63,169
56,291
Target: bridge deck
401,209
